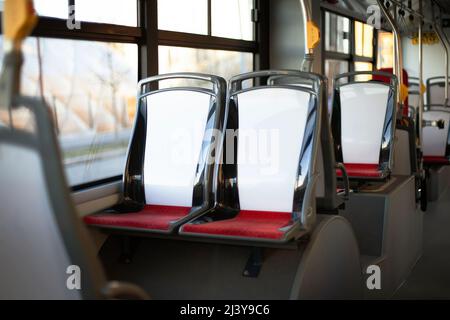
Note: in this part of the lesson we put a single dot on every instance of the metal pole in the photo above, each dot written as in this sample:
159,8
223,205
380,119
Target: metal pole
421,101
398,54
442,38
309,53
446,43
394,18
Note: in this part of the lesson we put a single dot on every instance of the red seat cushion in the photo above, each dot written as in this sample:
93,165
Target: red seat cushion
436,160
362,170
247,224
152,217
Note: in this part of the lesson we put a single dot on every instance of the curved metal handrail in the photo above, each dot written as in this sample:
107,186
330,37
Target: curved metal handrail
216,81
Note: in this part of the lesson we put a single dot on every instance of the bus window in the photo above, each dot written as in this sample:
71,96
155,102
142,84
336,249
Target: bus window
385,50
363,40
122,12
337,30
183,16
48,8
333,68
90,87
219,62
232,19
363,66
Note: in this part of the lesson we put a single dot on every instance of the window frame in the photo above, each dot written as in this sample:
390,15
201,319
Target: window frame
378,42
148,19
148,38
350,57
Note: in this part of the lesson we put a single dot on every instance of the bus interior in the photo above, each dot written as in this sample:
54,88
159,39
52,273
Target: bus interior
224,150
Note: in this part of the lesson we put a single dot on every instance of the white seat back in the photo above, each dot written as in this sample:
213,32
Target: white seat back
175,130
32,252
434,139
271,130
363,114
42,239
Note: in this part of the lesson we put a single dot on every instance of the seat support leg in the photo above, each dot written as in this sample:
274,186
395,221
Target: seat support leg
127,250
254,263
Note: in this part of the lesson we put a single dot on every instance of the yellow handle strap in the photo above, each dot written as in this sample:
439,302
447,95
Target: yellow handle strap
423,88
313,35
403,92
19,19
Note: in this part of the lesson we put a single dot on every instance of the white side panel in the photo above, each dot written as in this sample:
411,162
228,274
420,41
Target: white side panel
271,127
175,129
363,107
435,140
413,100
402,156
32,253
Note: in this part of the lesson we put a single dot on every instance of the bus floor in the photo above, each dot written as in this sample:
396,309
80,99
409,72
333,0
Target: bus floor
430,279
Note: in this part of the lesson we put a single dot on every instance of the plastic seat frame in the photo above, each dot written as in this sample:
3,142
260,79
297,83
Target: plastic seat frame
134,199
227,211
385,163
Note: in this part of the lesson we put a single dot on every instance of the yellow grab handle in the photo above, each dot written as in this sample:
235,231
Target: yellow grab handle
423,88
313,35
19,19
403,93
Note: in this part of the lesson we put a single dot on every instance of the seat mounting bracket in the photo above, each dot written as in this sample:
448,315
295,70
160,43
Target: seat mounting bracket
254,263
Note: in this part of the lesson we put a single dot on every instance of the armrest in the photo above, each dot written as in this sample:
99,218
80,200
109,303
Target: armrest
341,167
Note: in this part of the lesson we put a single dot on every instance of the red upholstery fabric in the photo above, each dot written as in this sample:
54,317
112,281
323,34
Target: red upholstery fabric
152,217
247,224
436,160
361,170
386,80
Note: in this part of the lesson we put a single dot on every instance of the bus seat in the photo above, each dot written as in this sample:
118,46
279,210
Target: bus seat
327,181
34,260
246,224
362,125
435,160
42,239
253,202
436,141
382,78
406,157
168,171
436,90
151,217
